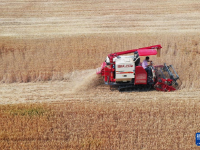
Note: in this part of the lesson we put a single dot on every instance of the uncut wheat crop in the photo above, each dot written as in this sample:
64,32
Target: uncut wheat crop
51,97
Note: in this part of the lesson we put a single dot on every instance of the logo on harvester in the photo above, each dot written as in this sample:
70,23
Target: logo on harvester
124,66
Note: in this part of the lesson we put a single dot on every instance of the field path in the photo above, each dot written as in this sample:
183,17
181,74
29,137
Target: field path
82,86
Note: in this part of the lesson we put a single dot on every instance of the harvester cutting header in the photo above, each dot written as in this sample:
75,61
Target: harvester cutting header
127,72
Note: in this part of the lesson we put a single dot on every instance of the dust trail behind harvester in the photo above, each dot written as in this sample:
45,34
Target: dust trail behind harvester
84,80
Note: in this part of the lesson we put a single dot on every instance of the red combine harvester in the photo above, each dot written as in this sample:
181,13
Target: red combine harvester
126,72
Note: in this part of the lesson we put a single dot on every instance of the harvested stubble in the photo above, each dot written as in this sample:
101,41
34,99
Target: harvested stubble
144,123
43,59
153,124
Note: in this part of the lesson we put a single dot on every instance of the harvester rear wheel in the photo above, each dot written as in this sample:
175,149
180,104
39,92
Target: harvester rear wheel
148,88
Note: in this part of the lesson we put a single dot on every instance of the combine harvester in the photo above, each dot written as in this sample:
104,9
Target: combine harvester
126,72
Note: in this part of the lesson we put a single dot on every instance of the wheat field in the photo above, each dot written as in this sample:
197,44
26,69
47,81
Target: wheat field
50,96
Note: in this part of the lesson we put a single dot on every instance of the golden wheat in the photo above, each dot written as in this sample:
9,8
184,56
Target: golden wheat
51,59
65,41
153,124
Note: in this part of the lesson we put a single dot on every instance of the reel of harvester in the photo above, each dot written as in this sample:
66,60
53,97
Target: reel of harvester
167,78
